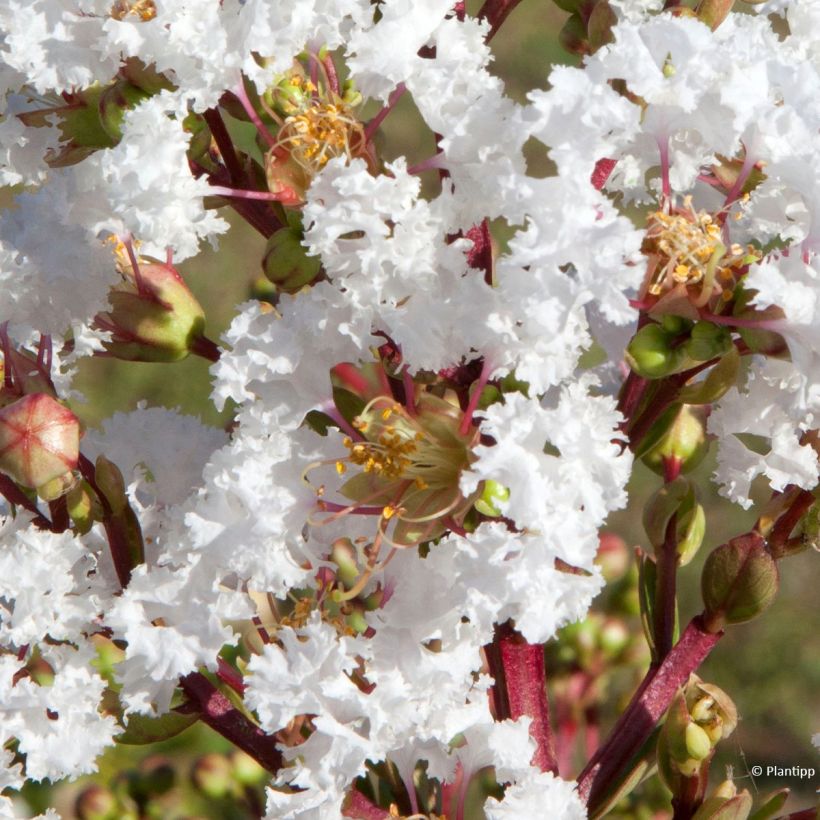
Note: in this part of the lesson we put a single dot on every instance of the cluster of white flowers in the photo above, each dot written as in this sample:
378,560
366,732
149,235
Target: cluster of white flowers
229,522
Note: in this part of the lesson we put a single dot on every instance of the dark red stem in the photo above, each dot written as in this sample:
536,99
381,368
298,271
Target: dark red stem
225,145
525,687
646,708
204,347
782,529
218,713
495,12
666,588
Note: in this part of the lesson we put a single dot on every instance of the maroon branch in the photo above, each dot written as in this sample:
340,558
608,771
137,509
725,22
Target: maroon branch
223,717
520,689
646,708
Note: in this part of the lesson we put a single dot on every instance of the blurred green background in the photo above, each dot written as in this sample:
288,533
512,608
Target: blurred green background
771,666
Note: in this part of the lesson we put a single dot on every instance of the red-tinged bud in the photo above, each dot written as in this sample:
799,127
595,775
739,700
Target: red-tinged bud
153,318
39,440
714,12
573,36
97,803
679,434
739,581
286,178
613,556
286,262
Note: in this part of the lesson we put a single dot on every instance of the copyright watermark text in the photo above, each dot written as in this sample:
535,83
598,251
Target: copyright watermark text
797,772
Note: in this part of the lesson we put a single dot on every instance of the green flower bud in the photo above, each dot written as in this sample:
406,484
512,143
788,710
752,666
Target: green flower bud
650,353
39,441
114,102
492,493
707,341
739,581
286,262
679,434
154,318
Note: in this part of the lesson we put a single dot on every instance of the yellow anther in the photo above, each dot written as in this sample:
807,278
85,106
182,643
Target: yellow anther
388,512
341,467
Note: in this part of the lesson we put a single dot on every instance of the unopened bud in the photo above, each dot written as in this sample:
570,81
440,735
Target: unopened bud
613,556
113,104
650,353
39,440
714,12
286,178
707,341
680,434
286,262
739,581
492,495
155,319
97,803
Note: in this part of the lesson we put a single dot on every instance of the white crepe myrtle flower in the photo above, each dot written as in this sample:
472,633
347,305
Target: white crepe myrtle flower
541,484
159,202
145,443
772,407
53,271
59,726
538,794
44,586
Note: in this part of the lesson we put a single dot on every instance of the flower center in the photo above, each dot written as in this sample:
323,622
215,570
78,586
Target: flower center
686,248
320,131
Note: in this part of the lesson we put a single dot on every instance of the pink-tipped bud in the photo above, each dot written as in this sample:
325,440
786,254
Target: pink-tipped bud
154,318
39,440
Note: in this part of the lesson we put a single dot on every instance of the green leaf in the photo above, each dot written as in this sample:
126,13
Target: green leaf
142,729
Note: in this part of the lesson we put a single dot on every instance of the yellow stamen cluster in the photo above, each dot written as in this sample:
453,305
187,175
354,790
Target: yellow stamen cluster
319,132
390,454
689,249
687,241
145,10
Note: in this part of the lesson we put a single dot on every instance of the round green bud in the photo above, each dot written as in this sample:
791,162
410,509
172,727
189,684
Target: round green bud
650,353
739,581
491,495
683,439
707,341
286,262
